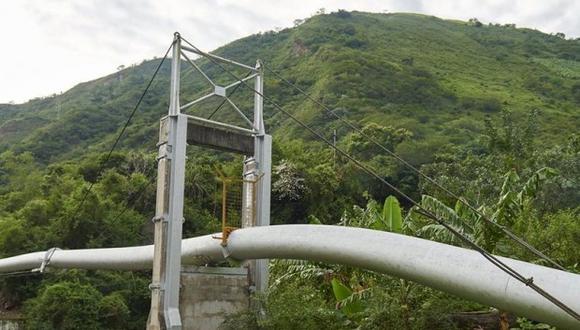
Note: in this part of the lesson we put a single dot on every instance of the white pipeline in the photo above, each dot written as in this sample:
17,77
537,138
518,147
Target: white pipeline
462,272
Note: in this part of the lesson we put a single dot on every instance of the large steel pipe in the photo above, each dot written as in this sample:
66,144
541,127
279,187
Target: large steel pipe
451,269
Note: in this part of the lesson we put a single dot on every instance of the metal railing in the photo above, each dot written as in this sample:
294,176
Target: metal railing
237,198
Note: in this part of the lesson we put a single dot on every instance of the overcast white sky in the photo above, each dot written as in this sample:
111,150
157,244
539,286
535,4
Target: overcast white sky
48,46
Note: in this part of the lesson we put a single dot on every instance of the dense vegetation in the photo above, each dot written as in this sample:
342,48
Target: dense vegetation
488,111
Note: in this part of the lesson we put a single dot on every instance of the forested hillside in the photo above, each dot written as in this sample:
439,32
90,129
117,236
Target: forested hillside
489,111
435,77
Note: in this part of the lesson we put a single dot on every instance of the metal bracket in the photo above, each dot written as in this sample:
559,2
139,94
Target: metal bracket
225,252
155,286
46,260
220,91
157,219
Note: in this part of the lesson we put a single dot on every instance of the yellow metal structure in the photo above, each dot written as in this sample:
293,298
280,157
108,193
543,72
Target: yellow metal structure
237,200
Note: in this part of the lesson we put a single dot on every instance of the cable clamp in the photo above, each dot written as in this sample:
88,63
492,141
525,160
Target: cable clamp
46,260
155,286
156,219
529,281
225,251
159,144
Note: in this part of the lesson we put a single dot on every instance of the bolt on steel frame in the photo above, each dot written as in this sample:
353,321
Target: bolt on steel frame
174,133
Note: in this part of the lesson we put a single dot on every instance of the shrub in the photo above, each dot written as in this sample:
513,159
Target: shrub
113,312
64,305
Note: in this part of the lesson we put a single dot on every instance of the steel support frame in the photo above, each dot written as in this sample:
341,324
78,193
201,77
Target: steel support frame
217,58
164,313
170,279
221,91
263,156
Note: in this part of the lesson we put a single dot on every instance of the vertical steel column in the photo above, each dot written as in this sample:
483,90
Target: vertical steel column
263,158
161,206
259,100
164,312
175,76
170,280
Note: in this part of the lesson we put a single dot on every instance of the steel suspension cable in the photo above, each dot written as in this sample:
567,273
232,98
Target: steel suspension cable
20,273
137,195
504,229
104,163
493,259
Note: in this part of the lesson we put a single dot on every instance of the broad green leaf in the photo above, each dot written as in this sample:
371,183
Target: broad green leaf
464,211
340,290
341,293
532,186
392,214
448,215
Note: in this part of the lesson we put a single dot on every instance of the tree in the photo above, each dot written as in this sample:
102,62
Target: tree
387,136
560,35
514,200
343,13
513,139
113,312
289,183
64,305
475,22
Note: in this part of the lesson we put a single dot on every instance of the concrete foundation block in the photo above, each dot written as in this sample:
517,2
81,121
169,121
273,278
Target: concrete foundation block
208,294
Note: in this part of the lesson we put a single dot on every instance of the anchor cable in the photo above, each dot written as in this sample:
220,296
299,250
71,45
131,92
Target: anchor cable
493,259
504,229
104,163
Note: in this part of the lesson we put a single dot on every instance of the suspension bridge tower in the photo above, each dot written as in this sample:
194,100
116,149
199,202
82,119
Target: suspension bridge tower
176,131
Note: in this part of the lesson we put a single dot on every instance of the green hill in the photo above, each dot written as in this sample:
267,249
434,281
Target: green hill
437,78
490,112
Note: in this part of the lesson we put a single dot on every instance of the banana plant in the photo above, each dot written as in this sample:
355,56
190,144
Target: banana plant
513,201
515,197
390,219
344,295
291,269
461,218
387,217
